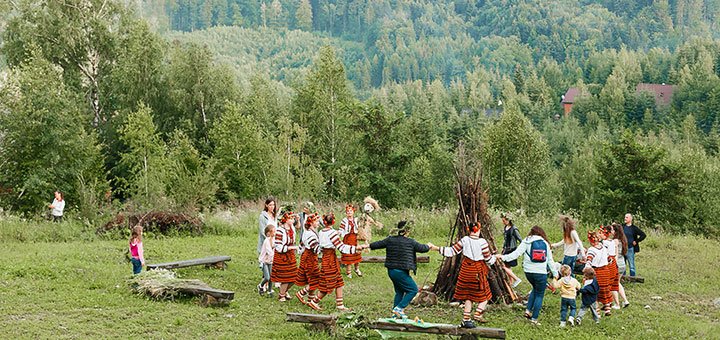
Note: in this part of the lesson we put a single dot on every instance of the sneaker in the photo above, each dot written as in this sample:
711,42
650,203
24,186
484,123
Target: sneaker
399,313
301,298
528,315
534,322
314,305
578,321
625,304
260,289
615,306
516,283
358,272
467,324
562,324
597,321
571,321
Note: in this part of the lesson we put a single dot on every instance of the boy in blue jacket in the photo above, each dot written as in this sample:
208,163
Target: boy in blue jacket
589,292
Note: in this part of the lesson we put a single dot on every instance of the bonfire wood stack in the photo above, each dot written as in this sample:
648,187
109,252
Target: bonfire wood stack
473,207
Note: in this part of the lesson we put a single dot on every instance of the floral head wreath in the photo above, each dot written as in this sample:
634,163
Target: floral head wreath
593,236
329,219
349,207
606,230
286,216
311,219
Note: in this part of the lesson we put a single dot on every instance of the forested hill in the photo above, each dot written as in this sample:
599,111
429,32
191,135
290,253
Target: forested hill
397,41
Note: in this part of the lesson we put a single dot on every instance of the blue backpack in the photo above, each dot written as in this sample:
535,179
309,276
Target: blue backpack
538,251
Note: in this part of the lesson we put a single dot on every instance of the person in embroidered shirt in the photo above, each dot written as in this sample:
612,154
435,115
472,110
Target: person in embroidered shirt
349,234
472,284
284,268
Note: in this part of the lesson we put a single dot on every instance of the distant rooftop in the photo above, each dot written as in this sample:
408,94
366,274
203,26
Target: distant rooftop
570,95
663,93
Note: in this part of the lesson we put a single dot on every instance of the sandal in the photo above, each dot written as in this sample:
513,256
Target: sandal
358,272
343,308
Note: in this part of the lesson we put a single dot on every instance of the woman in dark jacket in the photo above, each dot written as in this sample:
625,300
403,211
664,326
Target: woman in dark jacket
400,259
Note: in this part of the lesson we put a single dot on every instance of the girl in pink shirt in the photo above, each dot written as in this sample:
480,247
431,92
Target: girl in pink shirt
267,252
136,250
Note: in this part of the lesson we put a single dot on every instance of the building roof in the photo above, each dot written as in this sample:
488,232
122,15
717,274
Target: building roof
570,95
663,93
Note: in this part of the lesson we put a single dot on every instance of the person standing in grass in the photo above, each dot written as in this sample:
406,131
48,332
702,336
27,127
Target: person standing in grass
400,259
568,286
137,255
536,262
284,268
330,278
57,207
571,243
472,284
597,259
589,293
268,215
511,237
266,259
308,274
349,233
621,247
634,237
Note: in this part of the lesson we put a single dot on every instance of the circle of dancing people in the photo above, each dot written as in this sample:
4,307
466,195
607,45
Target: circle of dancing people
600,267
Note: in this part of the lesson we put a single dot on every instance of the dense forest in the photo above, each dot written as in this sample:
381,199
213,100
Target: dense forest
184,104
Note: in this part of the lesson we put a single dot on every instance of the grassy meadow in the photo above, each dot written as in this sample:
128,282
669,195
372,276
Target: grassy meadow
63,281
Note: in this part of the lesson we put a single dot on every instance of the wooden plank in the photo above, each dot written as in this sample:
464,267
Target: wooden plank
381,259
200,290
213,260
628,278
310,318
493,333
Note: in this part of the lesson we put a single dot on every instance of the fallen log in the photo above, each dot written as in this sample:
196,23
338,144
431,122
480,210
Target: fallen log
628,278
162,284
381,259
318,322
212,261
445,329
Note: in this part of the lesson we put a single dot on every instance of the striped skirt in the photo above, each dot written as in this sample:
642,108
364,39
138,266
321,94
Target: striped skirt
330,272
472,283
614,273
284,268
604,278
308,272
346,259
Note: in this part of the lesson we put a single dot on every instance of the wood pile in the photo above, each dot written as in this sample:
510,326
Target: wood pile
473,207
162,222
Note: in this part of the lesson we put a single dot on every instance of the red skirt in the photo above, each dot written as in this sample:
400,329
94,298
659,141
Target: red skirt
614,273
284,268
604,278
330,277
308,272
472,283
351,239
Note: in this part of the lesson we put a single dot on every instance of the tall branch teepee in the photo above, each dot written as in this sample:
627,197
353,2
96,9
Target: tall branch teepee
473,207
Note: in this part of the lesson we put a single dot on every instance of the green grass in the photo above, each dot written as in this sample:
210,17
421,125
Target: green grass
69,283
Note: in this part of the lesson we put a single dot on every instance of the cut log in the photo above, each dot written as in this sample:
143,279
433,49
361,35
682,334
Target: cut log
628,278
446,329
381,259
213,261
318,322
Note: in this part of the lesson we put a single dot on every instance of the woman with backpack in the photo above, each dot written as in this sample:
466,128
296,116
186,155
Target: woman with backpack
536,264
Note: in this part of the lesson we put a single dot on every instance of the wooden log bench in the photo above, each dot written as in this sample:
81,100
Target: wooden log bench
213,261
327,323
381,259
628,278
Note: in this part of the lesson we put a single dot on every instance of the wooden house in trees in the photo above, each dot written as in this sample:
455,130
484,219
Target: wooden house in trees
663,93
568,99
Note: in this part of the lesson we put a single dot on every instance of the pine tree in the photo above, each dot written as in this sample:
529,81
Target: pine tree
303,16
